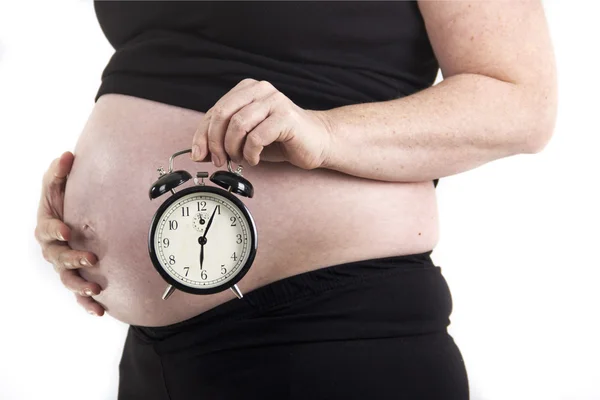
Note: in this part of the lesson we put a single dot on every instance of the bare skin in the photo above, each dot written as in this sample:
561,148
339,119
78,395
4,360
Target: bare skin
306,219
370,197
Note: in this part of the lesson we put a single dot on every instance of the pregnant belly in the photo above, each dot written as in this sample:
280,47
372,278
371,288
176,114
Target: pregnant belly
306,219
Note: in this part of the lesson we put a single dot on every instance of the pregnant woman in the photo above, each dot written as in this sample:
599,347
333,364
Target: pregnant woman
330,109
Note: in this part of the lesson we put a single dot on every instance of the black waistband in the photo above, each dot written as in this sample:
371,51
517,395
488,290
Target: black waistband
381,297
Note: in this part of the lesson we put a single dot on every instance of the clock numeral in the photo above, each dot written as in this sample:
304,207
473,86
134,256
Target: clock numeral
173,225
239,238
166,243
203,203
203,274
223,269
234,257
185,211
218,209
171,260
187,269
232,219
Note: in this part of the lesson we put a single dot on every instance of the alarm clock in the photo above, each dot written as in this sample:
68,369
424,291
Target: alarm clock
202,239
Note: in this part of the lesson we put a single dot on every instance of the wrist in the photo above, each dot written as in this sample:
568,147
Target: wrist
330,145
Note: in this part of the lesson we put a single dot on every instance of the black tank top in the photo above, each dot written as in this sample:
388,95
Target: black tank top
320,54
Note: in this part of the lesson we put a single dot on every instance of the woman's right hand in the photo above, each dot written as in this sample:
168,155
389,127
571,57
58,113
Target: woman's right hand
52,234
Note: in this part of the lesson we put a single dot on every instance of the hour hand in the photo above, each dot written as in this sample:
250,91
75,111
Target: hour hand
201,255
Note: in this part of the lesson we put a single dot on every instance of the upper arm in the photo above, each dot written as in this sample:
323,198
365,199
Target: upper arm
505,40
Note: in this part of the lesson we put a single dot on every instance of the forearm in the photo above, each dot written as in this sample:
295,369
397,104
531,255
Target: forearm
465,121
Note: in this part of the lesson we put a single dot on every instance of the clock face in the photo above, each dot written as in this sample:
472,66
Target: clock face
203,240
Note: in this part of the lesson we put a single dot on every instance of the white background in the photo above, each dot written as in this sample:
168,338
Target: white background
519,241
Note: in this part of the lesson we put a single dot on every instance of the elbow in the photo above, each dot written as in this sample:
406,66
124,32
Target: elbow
539,136
541,117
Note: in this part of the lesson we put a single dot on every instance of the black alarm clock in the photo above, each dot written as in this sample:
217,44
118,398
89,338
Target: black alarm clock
202,239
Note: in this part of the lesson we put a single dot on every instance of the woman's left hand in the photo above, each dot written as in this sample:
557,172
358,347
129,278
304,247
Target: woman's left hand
254,121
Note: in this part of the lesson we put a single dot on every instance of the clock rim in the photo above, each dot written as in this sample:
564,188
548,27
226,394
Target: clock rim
252,247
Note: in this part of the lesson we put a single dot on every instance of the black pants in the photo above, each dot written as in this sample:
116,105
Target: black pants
374,329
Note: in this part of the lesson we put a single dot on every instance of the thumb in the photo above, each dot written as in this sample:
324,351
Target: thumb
200,142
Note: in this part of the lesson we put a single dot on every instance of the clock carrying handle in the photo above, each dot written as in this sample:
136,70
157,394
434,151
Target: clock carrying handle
237,171
175,155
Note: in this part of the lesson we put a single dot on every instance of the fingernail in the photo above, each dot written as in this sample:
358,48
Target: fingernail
85,262
196,152
88,292
216,161
60,236
92,313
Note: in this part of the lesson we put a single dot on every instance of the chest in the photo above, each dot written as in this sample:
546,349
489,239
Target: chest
270,28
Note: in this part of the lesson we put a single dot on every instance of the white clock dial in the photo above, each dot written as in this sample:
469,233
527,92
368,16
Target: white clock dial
197,257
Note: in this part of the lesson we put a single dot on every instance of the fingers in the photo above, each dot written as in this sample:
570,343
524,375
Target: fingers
76,284
52,234
66,262
90,305
199,142
63,257
240,124
53,186
56,174
64,165
264,134
48,230
211,133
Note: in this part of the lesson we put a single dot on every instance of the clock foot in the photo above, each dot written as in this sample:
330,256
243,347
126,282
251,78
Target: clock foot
235,289
168,292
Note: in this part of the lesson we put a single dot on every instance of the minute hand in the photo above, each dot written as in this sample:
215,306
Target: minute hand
210,221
